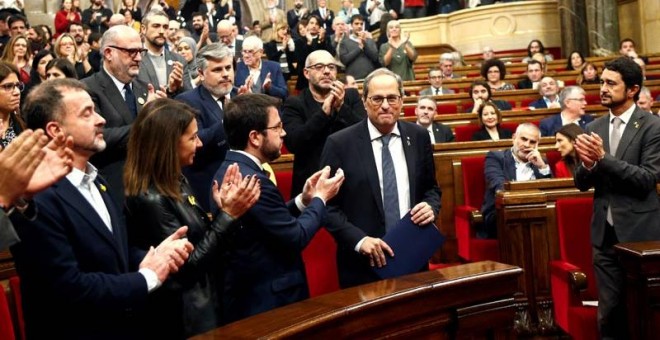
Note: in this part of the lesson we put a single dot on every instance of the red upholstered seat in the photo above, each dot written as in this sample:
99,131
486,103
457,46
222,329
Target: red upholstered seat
6,324
574,232
15,286
284,179
464,133
409,111
446,108
474,185
592,98
321,264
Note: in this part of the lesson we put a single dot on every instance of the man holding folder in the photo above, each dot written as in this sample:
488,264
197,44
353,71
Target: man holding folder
389,171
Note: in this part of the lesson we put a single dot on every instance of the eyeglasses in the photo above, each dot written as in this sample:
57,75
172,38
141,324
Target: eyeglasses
581,100
277,128
250,51
391,99
320,67
132,52
9,87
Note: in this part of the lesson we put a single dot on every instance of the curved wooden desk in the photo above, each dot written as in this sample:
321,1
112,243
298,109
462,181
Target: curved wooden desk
467,300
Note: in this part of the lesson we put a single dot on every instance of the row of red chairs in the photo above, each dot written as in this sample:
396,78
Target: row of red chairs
12,325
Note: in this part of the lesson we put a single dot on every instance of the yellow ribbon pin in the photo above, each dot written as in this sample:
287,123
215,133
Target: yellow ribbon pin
103,188
191,200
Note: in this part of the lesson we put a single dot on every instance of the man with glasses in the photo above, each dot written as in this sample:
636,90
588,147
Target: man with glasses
118,96
321,109
436,89
256,75
160,67
226,36
573,103
264,267
389,170
549,91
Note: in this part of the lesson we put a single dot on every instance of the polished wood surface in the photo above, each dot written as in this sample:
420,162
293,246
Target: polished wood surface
472,300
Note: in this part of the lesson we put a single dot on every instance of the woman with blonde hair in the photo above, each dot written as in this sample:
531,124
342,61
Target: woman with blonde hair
281,49
19,53
398,54
66,47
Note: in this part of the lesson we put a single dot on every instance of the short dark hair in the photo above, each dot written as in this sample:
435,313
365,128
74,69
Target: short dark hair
533,62
357,17
246,113
630,72
481,83
64,65
197,14
74,23
44,103
490,63
17,17
94,37
626,40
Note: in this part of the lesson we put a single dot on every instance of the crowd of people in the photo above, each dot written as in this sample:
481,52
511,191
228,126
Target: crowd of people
136,191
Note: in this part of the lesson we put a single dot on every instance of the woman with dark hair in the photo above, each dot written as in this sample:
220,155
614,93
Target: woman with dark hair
481,93
11,124
536,46
494,71
19,53
489,120
588,74
38,72
48,36
65,16
281,49
565,144
575,61
60,68
163,140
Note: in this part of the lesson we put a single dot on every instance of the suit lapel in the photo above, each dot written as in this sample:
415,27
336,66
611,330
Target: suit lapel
150,70
634,124
115,97
117,230
509,165
209,103
408,142
602,127
141,93
366,157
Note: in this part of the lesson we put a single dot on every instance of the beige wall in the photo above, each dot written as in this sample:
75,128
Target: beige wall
649,24
629,23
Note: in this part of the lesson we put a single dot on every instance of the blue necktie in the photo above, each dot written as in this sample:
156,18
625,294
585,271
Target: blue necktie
129,97
390,192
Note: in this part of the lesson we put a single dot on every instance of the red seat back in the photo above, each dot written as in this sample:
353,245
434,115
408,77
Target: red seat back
464,133
284,179
474,182
574,231
6,325
321,264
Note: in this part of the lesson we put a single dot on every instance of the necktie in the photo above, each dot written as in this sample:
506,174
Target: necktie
221,103
437,91
615,137
390,192
129,97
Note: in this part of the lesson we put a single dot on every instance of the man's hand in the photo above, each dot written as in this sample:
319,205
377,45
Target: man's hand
375,249
267,82
176,249
535,158
236,194
57,163
175,80
18,163
152,93
321,185
247,87
589,148
422,214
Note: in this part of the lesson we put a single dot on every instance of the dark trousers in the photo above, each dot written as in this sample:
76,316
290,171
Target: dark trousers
610,280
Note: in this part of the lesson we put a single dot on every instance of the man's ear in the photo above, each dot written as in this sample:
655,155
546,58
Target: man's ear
53,129
631,91
254,139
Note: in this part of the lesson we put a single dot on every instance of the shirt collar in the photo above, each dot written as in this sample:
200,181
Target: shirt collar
78,177
375,134
116,81
626,115
252,157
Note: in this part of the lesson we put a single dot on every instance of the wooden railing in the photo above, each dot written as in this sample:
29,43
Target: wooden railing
468,301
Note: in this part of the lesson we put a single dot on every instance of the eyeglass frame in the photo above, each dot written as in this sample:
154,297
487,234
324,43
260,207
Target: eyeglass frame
252,52
277,127
319,67
17,85
392,99
132,52
581,100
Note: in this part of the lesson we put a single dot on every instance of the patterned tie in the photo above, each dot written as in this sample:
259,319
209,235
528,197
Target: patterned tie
129,97
615,137
390,192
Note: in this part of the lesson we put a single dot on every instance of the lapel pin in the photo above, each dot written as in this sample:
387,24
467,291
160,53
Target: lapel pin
141,101
191,200
636,124
408,140
103,188
170,62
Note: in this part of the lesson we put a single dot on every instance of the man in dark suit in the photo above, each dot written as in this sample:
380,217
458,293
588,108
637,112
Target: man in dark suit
209,99
620,159
294,15
534,75
118,96
265,268
318,111
549,91
226,36
573,103
425,112
358,52
79,277
522,162
435,79
447,66
375,197
160,67
327,16
258,75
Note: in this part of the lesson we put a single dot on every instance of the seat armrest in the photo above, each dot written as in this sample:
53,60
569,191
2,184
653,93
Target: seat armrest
476,218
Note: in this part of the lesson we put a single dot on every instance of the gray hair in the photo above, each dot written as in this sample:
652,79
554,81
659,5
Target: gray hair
152,13
447,57
214,51
645,90
528,126
379,72
427,98
567,92
253,42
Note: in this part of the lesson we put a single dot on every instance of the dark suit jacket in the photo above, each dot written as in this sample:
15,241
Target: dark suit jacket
211,132
357,211
539,104
110,104
626,181
270,48
325,23
429,91
442,133
78,280
359,62
278,85
525,84
500,167
148,72
482,134
265,268
503,105
550,125
307,128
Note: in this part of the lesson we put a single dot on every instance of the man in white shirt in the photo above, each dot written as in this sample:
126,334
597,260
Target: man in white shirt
425,112
436,89
549,89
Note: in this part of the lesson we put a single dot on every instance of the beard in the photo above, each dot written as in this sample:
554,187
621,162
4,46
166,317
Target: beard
270,151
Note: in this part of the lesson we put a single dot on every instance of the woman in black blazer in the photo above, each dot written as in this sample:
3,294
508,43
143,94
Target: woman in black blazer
159,200
281,49
490,118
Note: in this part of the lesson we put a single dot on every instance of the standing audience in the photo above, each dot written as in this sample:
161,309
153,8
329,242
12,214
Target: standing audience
398,54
